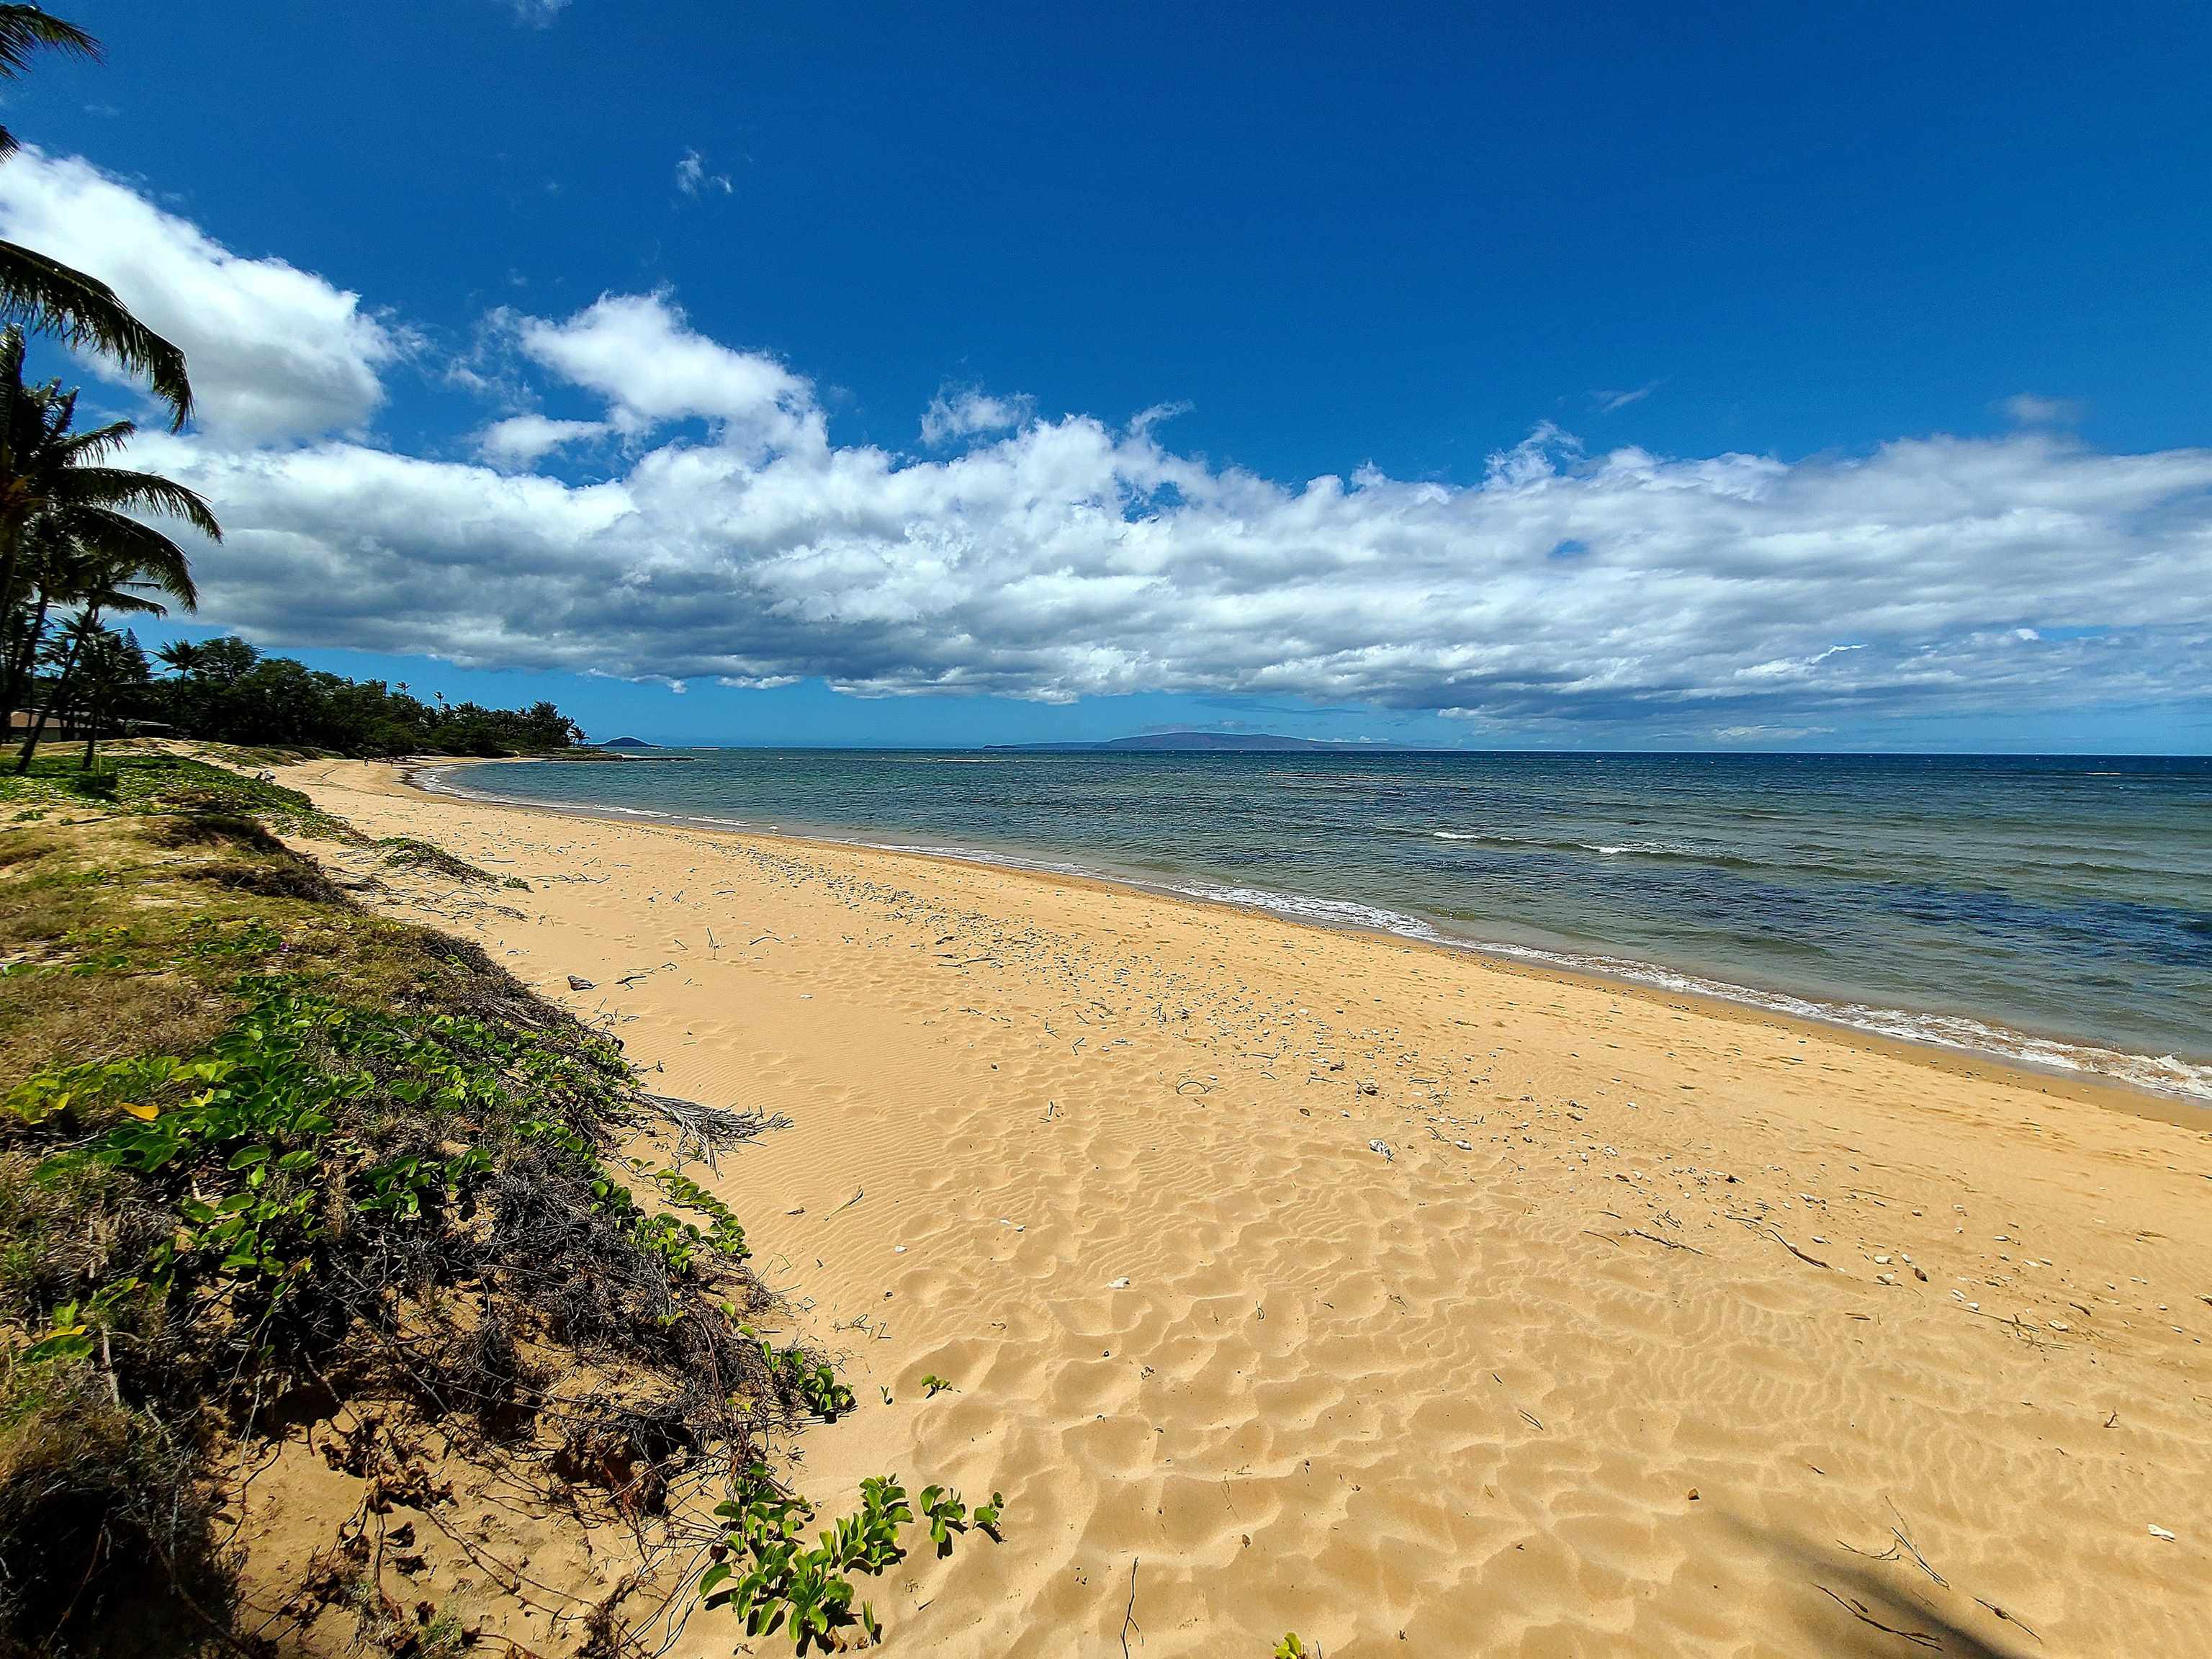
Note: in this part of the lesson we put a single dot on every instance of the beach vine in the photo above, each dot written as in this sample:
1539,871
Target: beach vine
764,1572
328,1158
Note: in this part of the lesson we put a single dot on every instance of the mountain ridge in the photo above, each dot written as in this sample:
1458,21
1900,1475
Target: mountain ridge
1216,743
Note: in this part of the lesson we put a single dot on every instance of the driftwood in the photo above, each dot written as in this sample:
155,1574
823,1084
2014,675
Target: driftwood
1767,1229
702,1130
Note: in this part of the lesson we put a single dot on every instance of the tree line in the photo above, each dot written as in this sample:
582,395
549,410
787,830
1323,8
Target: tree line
225,691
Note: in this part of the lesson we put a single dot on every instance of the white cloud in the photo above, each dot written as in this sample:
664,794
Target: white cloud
2027,409
1769,733
637,351
1607,401
1746,595
522,440
1145,420
276,352
1069,558
538,14
964,412
693,178
1787,668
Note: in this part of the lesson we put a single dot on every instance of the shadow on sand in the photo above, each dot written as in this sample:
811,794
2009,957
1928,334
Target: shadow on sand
1889,1604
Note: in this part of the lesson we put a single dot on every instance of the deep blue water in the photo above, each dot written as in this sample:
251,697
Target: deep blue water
2058,910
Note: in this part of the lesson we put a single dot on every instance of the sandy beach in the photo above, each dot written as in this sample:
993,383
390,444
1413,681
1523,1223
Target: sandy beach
1289,1278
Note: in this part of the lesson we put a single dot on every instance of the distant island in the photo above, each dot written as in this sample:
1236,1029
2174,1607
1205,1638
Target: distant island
625,743
1197,742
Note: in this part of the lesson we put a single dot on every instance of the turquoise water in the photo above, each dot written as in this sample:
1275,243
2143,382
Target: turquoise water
2057,910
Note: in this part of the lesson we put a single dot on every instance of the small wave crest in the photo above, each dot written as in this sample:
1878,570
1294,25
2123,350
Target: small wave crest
1655,848
1342,912
2159,1074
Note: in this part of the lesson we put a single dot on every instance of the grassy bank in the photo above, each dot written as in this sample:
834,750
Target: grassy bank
268,1159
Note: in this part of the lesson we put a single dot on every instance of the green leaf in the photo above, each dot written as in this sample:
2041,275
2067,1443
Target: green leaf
75,1343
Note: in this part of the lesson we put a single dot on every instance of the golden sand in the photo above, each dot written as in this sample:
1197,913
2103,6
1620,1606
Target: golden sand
1299,1280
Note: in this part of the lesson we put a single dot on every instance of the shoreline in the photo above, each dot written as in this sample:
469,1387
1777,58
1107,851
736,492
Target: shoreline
2178,1104
1323,1282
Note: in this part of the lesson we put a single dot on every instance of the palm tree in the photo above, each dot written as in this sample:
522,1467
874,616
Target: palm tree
48,472
181,657
65,544
49,297
111,665
95,580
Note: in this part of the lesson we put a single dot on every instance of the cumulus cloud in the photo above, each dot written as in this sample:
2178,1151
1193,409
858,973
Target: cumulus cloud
1745,595
523,440
637,351
1071,558
964,412
276,352
693,178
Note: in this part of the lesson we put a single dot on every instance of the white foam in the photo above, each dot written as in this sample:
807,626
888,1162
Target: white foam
1610,848
2159,1074
1339,912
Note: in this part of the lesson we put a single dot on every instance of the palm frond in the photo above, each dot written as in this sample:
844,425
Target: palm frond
120,598
102,585
82,448
121,542
57,299
120,488
25,29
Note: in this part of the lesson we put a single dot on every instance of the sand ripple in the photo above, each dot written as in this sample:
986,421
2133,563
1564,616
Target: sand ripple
1555,1376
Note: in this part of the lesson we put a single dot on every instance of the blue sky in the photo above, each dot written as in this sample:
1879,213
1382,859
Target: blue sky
1813,377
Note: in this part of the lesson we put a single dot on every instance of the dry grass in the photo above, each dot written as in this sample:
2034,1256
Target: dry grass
407,853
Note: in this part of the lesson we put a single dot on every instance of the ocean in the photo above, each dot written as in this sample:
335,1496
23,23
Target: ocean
2053,910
